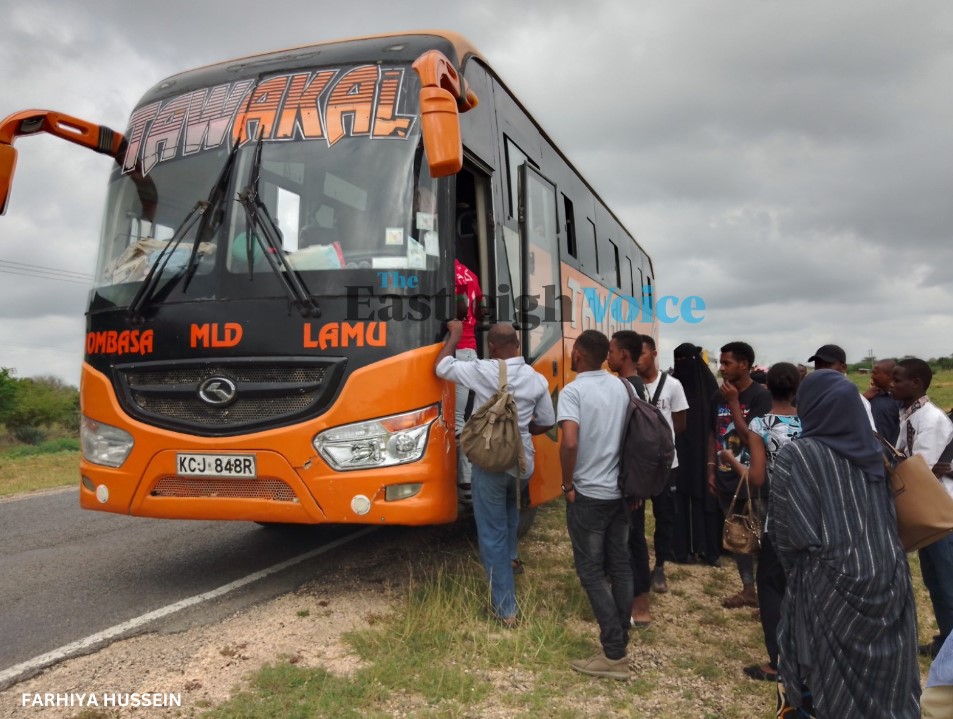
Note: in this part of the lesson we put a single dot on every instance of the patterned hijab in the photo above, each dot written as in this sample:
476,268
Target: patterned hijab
831,412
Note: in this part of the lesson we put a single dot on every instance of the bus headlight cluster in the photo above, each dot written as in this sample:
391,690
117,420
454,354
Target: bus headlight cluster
384,442
104,444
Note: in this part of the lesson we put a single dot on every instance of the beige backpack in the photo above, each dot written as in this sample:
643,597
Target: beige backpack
491,437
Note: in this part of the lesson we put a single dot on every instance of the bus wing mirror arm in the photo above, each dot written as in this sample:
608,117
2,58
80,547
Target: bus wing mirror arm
444,94
98,138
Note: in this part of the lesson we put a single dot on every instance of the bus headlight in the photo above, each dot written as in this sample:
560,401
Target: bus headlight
103,443
384,442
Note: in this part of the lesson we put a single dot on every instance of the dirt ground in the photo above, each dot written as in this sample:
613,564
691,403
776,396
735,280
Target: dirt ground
687,665
206,664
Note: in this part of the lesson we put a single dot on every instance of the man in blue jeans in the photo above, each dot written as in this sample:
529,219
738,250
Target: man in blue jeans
495,493
591,415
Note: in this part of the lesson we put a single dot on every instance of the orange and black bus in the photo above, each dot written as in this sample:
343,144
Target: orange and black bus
276,259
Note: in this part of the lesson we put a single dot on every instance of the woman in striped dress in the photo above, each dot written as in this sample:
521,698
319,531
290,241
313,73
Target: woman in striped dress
847,634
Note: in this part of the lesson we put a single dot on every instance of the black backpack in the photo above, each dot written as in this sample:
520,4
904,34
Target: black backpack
648,449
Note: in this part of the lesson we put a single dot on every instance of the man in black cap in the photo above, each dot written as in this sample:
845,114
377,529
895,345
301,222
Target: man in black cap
833,357
830,357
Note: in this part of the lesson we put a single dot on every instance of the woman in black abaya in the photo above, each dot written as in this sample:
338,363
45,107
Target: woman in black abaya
698,518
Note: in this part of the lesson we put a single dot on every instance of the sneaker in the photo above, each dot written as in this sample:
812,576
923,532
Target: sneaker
659,583
929,650
600,665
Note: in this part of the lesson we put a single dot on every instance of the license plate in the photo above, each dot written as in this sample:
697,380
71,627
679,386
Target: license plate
216,465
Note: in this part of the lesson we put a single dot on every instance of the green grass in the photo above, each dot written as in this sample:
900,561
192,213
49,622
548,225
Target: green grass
438,655
941,389
30,472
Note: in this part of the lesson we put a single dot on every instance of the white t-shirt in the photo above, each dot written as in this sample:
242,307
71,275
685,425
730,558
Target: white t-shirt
870,414
672,399
597,402
529,388
932,433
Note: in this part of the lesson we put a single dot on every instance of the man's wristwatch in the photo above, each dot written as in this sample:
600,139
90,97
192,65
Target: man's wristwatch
567,490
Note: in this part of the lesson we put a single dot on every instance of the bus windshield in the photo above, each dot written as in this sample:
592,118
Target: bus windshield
341,212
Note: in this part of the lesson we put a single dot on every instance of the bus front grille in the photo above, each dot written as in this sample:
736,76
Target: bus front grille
229,397
220,488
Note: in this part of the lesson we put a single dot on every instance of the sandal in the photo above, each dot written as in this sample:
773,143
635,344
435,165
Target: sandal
736,601
760,674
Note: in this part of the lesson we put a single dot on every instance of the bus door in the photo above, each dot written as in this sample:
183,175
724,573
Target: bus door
472,228
539,311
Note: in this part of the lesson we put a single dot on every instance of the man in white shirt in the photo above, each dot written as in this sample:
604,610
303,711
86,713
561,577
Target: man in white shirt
591,415
494,493
666,393
926,430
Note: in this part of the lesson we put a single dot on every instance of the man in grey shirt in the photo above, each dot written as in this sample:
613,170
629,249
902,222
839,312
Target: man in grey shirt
495,493
591,415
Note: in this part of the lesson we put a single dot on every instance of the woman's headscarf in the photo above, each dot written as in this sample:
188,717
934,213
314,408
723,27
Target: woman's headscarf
696,378
832,412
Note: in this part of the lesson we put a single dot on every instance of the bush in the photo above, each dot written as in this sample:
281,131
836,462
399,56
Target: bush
53,446
28,434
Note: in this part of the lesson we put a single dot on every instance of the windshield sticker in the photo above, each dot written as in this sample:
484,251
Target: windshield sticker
327,105
394,236
432,243
416,257
389,263
425,220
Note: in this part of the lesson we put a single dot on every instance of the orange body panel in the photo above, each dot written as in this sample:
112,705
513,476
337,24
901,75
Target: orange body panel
545,484
395,385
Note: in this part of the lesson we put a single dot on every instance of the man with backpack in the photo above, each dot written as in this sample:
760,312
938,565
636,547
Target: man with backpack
591,415
495,490
633,357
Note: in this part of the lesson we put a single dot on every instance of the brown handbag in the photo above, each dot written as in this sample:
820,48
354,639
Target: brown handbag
924,507
742,533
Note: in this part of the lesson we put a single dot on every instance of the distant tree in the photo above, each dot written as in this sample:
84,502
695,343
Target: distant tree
941,363
8,393
41,402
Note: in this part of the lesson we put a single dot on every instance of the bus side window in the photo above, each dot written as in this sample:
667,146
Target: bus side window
570,228
514,158
588,257
615,261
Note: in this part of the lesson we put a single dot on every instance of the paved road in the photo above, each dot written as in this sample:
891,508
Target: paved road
66,573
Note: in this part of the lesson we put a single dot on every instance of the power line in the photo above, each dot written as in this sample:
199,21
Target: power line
41,268
50,273
85,283
46,273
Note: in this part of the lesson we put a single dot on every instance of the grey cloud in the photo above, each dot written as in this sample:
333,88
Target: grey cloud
787,162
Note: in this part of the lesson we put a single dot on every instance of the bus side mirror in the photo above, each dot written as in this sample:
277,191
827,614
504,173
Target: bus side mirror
443,96
440,126
8,163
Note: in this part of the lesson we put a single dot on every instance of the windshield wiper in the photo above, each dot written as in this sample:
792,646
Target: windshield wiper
257,216
151,281
210,213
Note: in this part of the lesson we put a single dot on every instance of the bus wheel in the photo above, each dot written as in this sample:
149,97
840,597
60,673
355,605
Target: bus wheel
527,517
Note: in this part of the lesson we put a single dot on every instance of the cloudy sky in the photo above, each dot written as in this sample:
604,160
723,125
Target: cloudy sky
791,163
